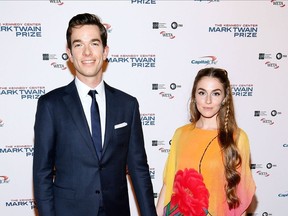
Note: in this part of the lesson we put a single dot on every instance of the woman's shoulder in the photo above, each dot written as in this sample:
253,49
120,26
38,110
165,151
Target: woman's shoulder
182,130
185,127
242,134
243,140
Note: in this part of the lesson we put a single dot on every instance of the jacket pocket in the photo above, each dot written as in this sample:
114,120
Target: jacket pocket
64,193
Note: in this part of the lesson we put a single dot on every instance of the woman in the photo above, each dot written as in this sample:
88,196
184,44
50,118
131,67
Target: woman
210,156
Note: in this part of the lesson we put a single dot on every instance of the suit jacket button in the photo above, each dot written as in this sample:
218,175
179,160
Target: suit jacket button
97,192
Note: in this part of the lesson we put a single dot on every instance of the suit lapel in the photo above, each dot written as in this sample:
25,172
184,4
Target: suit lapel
110,116
73,103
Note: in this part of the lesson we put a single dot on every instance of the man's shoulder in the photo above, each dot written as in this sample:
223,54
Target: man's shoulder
59,91
119,93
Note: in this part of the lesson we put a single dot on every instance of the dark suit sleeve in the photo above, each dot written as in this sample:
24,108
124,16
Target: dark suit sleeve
138,167
43,161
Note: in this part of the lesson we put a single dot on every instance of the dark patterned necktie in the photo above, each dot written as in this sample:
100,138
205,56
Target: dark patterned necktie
95,124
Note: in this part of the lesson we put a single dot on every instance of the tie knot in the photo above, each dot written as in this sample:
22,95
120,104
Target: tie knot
92,93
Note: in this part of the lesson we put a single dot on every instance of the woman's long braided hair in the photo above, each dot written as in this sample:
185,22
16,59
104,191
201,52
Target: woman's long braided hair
227,131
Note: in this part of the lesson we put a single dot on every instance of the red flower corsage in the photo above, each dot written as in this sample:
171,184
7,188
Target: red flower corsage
190,196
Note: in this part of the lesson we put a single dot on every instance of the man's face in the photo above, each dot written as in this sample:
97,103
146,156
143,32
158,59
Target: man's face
87,52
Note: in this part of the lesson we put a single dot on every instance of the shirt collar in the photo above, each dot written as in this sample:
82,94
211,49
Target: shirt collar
83,89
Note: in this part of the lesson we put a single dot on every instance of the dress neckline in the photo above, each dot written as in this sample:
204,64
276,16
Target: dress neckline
205,130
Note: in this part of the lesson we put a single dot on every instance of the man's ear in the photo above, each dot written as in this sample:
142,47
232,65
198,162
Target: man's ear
105,52
69,53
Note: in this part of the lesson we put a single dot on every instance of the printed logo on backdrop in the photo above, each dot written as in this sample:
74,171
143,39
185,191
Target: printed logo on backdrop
54,58
174,86
58,66
58,2
25,203
271,63
23,92
205,60
263,170
148,119
263,56
166,33
242,90
158,143
175,25
264,114
237,30
164,94
285,145
108,27
279,56
1,123
4,179
26,150
275,113
152,173
156,86
47,57
158,25
283,195
24,30
164,150
267,121
134,60
278,3
143,2
260,214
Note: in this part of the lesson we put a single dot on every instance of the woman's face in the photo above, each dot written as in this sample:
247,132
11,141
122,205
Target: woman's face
209,96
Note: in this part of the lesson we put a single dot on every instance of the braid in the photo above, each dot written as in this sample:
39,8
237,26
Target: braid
226,119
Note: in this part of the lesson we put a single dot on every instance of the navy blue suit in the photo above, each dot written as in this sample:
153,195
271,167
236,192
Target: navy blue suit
69,180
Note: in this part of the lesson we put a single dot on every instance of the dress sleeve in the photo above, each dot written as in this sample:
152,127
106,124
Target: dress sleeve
170,169
246,188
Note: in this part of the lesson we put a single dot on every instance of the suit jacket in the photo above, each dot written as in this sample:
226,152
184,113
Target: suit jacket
69,180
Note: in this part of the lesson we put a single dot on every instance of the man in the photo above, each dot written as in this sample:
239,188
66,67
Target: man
71,176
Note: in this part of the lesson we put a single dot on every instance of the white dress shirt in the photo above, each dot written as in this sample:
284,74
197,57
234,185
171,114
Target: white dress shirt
86,101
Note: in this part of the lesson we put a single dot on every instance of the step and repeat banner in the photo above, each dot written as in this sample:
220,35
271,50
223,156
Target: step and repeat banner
156,48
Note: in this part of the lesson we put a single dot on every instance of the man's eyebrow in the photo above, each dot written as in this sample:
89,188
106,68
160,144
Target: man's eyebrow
78,40
96,40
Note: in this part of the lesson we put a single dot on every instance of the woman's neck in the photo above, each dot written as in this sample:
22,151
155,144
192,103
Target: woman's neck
207,124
